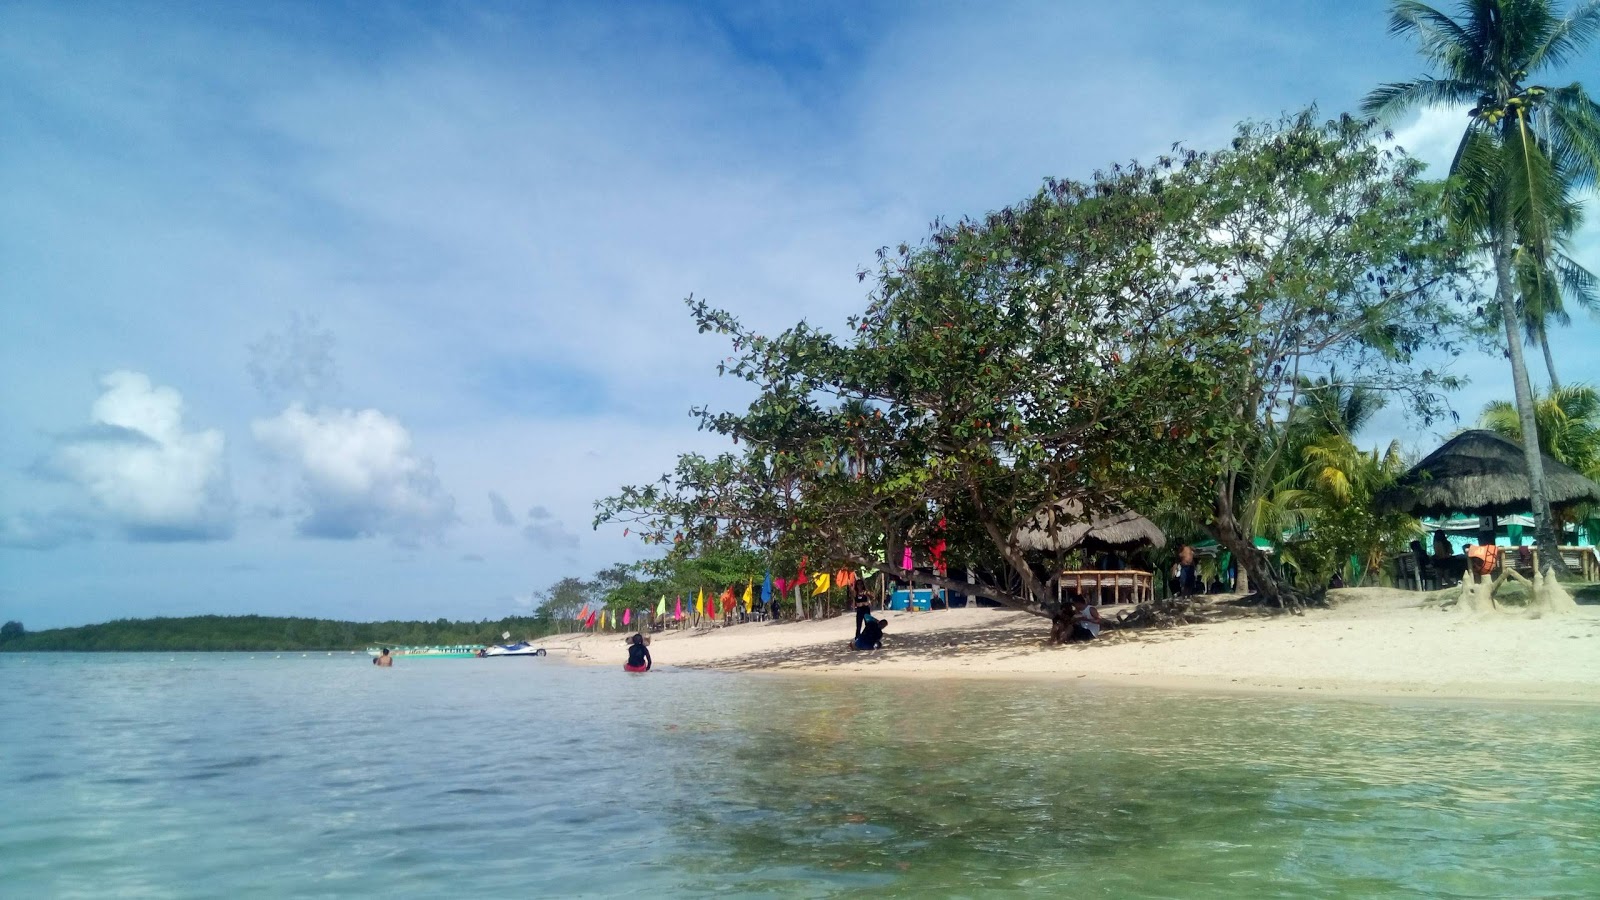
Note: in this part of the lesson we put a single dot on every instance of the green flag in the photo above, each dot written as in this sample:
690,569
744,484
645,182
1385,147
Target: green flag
661,608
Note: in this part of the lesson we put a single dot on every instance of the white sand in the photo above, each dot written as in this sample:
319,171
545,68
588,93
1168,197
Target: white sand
1374,642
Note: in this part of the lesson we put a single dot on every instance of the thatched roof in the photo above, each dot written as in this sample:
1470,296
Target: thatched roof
1481,473
1061,526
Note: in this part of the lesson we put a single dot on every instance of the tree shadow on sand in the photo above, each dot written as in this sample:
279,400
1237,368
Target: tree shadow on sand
989,642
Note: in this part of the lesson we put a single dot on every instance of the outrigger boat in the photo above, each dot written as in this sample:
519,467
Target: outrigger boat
455,651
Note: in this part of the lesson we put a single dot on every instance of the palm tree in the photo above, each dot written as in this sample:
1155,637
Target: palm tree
1569,430
1544,276
1524,149
1569,425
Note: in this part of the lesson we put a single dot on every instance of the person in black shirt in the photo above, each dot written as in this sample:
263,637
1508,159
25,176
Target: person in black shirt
871,637
863,610
638,655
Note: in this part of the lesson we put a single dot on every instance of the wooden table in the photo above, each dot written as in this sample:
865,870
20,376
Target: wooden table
1138,585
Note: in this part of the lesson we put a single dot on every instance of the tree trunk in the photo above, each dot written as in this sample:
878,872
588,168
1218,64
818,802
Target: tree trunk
1253,568
1543,523
1549,361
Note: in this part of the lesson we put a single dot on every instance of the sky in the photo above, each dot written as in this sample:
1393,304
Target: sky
353,310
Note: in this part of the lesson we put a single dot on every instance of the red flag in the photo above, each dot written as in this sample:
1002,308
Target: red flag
713,606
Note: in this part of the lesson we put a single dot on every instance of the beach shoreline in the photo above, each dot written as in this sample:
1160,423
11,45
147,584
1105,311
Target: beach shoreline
1373,643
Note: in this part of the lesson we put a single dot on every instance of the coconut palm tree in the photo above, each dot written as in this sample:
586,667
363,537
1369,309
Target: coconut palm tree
1525,148
1544,278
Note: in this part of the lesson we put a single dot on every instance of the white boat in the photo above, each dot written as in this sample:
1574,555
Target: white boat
520,648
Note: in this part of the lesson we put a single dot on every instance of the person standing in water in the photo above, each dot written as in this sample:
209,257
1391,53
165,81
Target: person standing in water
638,655
383,659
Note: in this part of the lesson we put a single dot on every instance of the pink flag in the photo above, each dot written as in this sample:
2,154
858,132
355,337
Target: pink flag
781,584
907,563
627,616
677,608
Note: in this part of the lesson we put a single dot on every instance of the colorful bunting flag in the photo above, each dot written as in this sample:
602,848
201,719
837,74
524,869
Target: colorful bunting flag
822,581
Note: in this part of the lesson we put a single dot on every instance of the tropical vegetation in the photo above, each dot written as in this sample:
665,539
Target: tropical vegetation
1137,339
1525,150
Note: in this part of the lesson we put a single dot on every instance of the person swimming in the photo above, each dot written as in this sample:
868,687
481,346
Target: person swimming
638,655
384,659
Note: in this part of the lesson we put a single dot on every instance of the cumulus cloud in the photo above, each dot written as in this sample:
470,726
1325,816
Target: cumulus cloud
501,511
144,474
547,532
359,476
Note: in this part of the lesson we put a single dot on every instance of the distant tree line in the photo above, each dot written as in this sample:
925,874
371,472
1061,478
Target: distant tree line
262,633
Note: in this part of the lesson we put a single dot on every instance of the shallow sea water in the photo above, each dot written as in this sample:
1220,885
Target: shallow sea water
256,776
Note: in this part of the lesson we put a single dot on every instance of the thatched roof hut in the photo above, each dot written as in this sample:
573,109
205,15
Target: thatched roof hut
1481,473
1061,526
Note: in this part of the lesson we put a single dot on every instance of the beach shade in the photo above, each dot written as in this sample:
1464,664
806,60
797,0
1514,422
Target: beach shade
1060,526
1481,473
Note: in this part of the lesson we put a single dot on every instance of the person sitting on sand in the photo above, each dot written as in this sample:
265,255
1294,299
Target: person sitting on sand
1085,620
638,655
383,659
871,637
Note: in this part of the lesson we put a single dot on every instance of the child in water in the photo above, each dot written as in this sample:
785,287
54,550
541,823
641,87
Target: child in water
638,655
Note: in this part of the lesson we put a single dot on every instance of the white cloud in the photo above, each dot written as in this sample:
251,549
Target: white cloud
144,474
359,476
1432,137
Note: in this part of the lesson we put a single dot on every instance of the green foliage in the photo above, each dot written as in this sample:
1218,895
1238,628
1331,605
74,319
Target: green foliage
11,629
1525,150
263,633
1121,341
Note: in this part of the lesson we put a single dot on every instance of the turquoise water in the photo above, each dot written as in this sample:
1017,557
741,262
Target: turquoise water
213,775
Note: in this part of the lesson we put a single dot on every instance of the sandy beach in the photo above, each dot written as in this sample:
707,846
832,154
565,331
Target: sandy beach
1372,642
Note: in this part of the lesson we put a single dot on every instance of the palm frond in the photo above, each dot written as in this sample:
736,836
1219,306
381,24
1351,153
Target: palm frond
1573,132
1569,37
1390,101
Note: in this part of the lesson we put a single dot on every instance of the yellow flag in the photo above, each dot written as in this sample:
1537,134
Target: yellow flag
661,608
823,582
700,603
749,596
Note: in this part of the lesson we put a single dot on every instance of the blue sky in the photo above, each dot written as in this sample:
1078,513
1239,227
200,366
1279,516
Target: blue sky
353,309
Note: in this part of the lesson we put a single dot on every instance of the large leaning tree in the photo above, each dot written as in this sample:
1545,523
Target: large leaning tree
1118,342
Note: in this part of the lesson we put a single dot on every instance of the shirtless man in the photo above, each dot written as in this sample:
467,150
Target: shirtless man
383,659
1187,584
